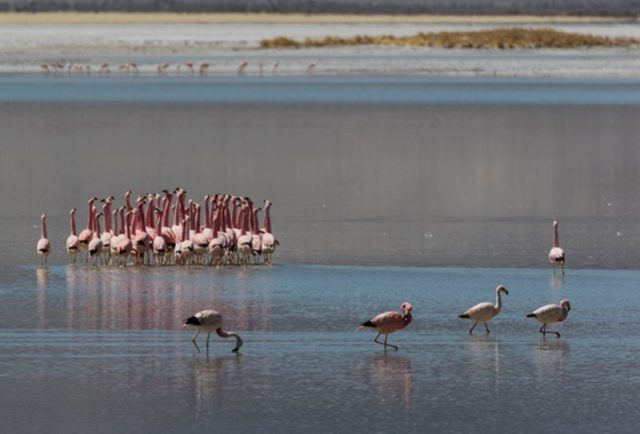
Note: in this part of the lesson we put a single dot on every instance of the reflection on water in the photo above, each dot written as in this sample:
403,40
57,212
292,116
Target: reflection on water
391,376
109,342
152,299
550,357
557,280
213,377
484,352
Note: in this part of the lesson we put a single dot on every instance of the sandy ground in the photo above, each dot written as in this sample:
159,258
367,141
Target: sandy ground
225,41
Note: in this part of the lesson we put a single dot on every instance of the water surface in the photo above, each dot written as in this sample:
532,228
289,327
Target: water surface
103,350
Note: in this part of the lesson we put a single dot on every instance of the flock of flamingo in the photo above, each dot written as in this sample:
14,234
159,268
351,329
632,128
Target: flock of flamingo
389,322
201,68
231,237
134,235
392,321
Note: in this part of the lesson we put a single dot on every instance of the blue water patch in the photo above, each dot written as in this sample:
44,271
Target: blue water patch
318,90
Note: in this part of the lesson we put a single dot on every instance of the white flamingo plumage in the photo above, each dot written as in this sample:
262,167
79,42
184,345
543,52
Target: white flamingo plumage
483,312
43,246
208,321
550,314
556,254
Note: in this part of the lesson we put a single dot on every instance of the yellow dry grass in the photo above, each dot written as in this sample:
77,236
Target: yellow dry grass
161,17
513,38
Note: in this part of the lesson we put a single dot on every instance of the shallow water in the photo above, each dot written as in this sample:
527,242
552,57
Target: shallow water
102,350
377,170
452,172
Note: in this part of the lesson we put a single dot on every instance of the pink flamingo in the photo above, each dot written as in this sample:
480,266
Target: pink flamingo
115,239
551,313
242,67
556,254
108,230
87,234
72,240
159,244
203,68
124,240
208,321
269,242
245,239
43,247
389,322
483,312
95,245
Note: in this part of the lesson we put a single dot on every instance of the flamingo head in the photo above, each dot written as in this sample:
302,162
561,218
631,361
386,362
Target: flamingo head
406,308
555,223
43,216
502,288
73,211
564,304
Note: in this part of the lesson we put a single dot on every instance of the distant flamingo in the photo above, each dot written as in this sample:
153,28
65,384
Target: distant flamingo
87,234
72,243
43,247
483,312
389,322
104,69
95,245
556,254
275,68
242,67
207,321
203,68
551,313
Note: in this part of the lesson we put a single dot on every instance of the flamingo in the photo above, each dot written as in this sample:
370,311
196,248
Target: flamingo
556,254
87,233
204,66
115,239
246,238
72,240
242,67
483,312
43,247
551,313
269,242
124,240
207,321
95,245
389,322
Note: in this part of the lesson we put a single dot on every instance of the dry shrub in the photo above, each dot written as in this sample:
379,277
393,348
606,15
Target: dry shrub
513,38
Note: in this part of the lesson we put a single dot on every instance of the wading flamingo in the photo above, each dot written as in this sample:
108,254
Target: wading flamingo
556,254
207,321
551,313
72,240
483,312
43,247
389,322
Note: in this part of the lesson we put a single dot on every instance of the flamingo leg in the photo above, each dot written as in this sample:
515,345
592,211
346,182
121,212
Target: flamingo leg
208,336
487,328
388,345
472,327
194,340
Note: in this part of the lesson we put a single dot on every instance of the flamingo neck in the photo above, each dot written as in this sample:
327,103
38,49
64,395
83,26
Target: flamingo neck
267,219
555,236
90,216
498,301
43,228
226,335
72,217
106,210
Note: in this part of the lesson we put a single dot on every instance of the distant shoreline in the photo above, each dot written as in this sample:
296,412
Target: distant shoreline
163,17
